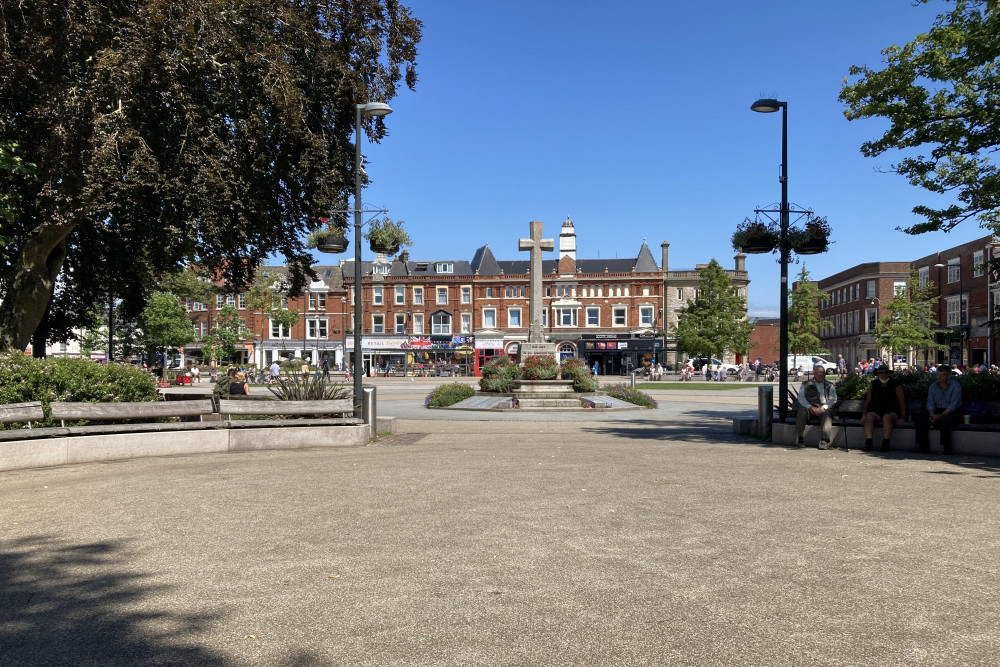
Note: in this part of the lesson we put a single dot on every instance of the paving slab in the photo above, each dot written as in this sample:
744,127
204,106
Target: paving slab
653,538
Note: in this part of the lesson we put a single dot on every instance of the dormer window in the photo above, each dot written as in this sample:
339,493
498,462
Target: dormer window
444,267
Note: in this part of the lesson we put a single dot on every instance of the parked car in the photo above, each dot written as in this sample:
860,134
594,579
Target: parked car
807,361
699,365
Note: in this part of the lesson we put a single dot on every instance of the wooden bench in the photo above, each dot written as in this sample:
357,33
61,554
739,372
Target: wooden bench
66,411
296,413
25,413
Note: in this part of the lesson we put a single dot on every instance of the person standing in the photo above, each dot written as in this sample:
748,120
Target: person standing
326,367
884,404
841,365
944,400
275,372
817,396
596,368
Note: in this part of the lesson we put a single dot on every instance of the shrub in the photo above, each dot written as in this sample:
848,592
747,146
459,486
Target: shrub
574,369
499,375
633,396
540,367
24,378
448,394
916,382
299,387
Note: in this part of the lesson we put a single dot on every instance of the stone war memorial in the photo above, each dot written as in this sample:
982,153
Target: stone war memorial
545,395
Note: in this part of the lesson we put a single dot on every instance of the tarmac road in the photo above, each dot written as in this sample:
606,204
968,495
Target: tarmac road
637,538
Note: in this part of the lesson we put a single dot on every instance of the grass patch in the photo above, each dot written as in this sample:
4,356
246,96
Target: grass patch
700,386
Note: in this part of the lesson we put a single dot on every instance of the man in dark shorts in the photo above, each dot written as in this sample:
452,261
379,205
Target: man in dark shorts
884,404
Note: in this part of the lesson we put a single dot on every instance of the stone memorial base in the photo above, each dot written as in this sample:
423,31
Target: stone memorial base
536,349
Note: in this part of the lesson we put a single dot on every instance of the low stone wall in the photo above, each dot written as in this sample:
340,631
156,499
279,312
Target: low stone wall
47,452
971,443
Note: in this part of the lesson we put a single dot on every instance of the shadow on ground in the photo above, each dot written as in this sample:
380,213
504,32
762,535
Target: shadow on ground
78,604
694,426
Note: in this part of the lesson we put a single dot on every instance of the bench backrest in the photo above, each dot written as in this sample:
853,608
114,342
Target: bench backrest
849,407
71,411
21,412
231,407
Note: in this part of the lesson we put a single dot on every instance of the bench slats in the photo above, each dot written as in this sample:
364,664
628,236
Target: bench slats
98,429
21,412
285,408
67,411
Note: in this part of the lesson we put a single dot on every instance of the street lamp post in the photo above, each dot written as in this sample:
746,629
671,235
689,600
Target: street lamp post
875,302
770,106
363,110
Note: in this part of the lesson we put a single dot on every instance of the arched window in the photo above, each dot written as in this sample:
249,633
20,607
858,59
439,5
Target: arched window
567,350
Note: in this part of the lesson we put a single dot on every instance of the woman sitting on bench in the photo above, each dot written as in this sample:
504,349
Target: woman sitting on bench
884,403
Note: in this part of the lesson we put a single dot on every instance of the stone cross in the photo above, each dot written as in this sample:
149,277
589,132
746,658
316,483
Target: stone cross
536,244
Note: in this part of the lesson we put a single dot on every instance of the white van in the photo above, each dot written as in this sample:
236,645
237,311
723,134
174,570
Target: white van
807,361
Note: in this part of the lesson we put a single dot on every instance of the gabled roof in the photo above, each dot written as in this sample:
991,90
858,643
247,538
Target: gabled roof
460,267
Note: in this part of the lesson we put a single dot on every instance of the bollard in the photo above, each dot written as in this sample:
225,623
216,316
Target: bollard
765,411
368,408
633,380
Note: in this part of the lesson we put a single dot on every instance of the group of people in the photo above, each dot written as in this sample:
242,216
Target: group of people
884,405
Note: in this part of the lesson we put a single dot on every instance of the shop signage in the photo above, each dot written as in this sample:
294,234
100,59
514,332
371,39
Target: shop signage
489,343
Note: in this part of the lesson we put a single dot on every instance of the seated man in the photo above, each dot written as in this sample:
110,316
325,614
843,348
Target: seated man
944,399
884,404
817,398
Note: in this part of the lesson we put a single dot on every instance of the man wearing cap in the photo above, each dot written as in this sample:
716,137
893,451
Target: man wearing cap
944,400
884,404
817,397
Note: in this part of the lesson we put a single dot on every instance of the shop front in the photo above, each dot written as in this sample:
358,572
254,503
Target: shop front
416,355
618,354
486,349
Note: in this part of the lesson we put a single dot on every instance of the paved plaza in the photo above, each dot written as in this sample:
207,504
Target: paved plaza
637,538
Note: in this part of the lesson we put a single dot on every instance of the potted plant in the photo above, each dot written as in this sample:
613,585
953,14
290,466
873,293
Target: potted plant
328,238
755,237
386,235
813,239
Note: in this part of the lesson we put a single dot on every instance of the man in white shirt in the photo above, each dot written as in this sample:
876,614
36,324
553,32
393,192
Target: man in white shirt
817,397
275,370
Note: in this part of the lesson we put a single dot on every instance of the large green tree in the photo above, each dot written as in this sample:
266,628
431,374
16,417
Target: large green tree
804,322
940,94
715,322
165,323
909,320
174,132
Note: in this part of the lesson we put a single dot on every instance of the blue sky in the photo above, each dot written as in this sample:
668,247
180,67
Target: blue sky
633,119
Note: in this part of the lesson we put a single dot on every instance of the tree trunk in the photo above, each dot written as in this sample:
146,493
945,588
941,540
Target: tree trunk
34,272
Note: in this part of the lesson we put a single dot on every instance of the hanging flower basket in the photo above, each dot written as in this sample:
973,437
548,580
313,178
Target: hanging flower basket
386,236
813,239
754,237
327,239
813,246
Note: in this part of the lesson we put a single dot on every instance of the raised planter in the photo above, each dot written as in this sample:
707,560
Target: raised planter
543,387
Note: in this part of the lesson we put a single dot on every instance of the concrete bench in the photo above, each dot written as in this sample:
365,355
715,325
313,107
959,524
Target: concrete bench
305,413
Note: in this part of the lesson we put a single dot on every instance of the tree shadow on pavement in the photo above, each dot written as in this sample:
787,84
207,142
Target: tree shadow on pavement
64,603
693,426
74,604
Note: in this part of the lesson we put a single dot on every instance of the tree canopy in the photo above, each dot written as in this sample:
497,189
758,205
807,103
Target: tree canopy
715,322
173,132
940,94
804,322
909,321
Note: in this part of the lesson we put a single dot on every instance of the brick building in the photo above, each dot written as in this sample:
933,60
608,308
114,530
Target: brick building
963,291
611,312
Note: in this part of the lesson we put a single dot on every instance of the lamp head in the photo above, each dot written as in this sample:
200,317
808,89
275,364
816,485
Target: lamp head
767,105
375,109
940,266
